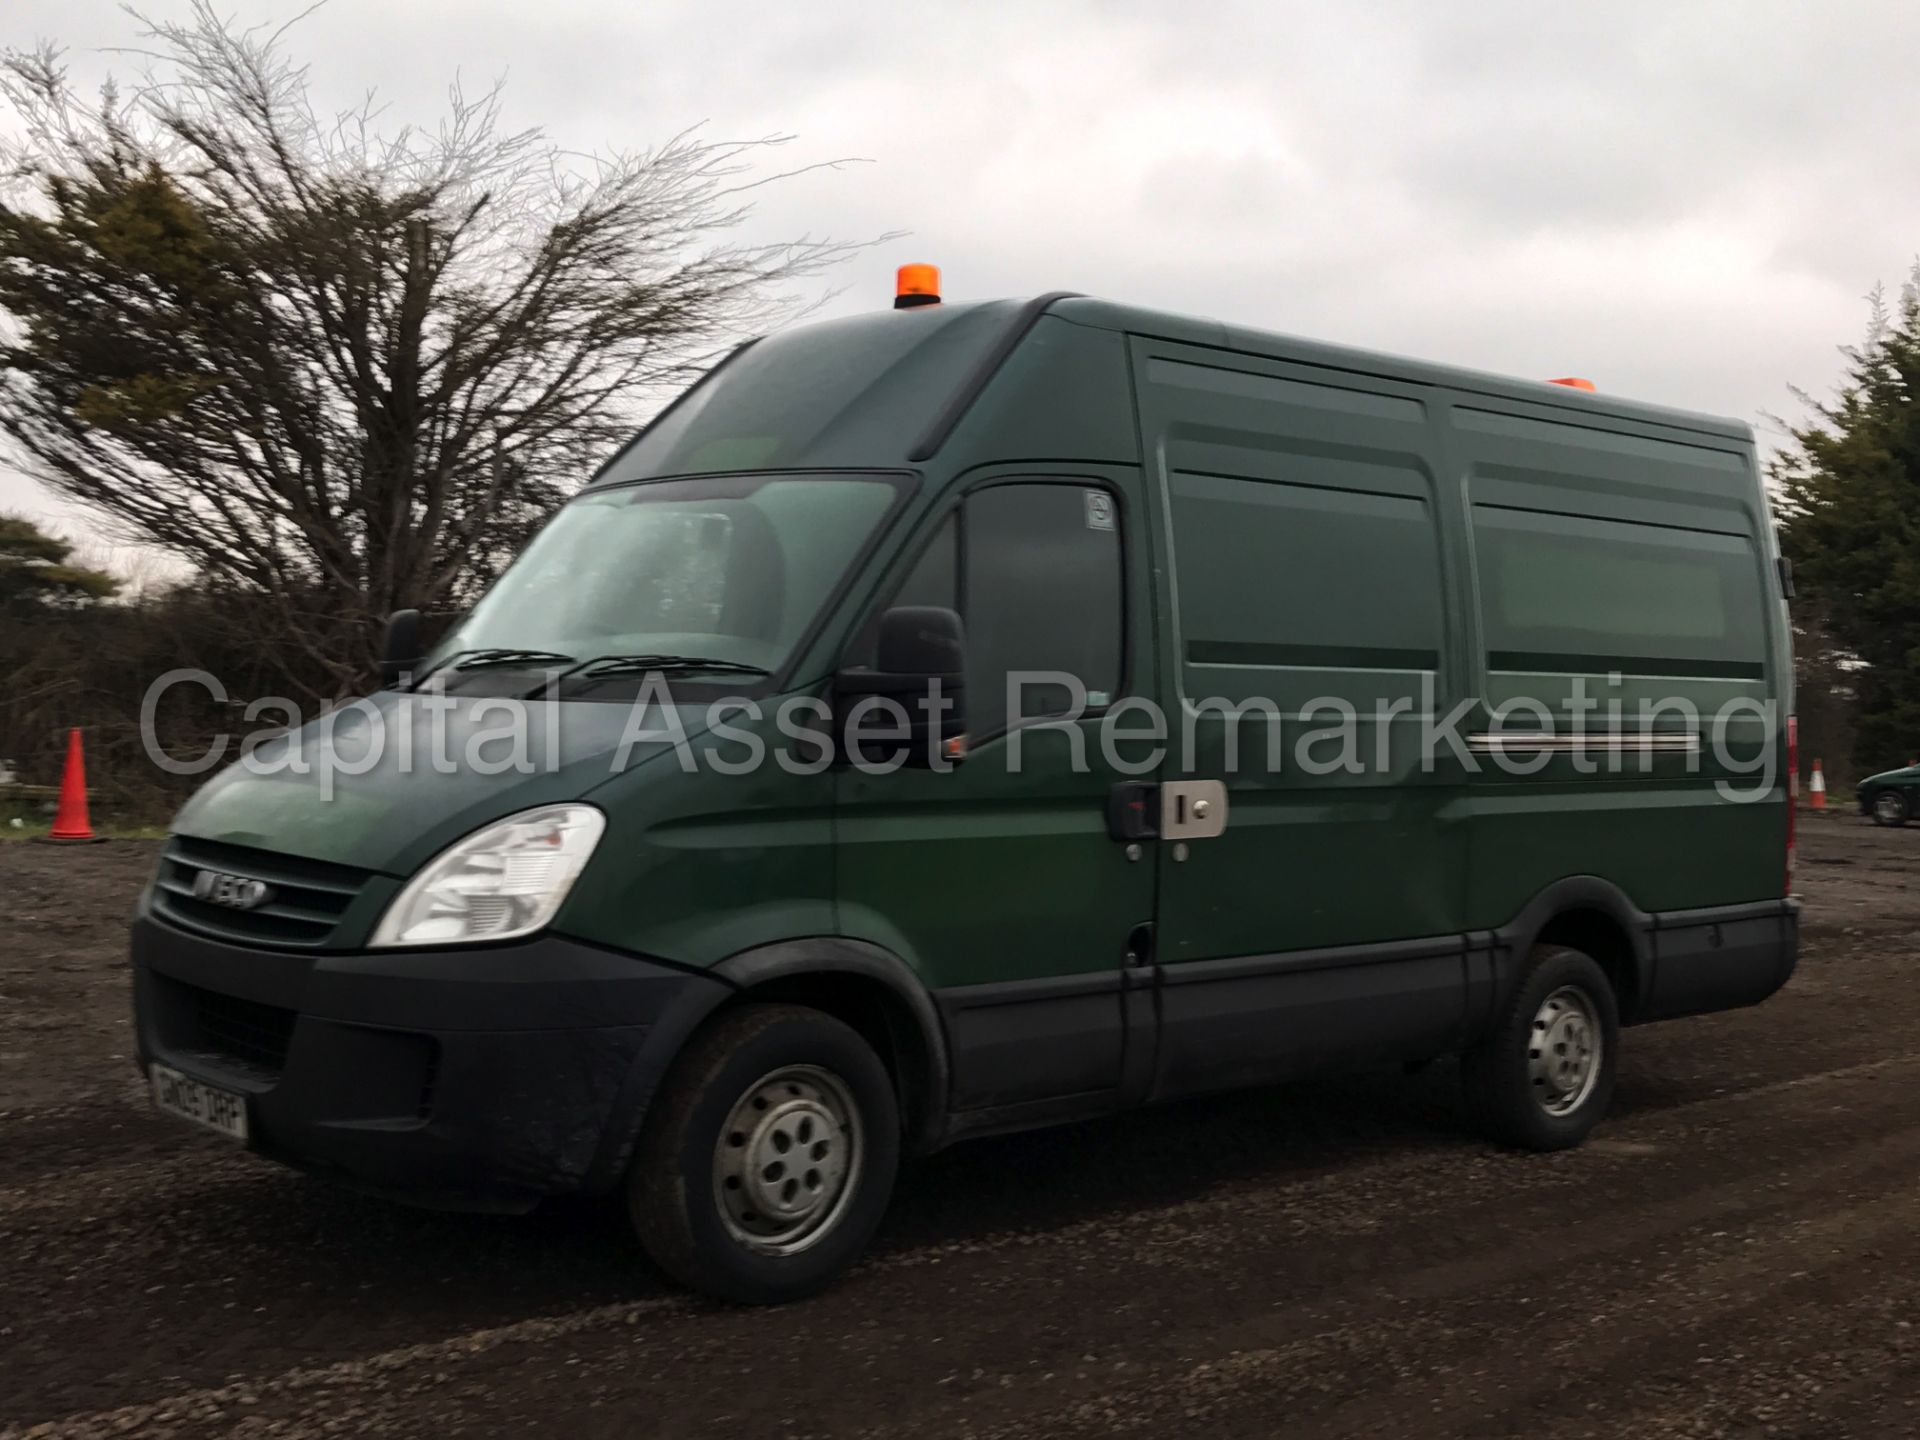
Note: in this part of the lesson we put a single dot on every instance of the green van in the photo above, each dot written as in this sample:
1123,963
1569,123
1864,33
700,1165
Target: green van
966,718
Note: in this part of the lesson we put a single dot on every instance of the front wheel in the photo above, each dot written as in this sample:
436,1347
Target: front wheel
766,1162
1543,1079
1890,808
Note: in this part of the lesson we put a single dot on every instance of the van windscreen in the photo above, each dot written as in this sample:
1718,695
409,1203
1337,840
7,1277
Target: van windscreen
728,568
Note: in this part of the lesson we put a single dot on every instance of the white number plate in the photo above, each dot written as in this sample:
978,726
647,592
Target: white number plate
181,1095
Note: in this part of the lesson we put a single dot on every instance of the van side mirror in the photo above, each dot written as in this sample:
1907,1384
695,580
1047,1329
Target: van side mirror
918,682
401,651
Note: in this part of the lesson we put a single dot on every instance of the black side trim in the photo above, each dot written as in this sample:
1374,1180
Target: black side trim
1206,972
1025,1042
1033,1115
975,384
1727,914
1023,992
1254,1019
1563,662
1721,959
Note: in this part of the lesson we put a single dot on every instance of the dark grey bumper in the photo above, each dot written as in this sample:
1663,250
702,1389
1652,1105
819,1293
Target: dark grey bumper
485,1077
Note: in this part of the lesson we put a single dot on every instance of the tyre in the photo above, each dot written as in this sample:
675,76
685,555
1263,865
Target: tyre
1890,808
1544,1077
766,1161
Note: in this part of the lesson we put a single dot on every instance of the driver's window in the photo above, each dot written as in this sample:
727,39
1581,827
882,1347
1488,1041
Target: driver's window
1042,593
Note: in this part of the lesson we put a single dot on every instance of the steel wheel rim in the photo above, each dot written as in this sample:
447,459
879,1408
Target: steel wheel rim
1889,806
788,1160
1564,1051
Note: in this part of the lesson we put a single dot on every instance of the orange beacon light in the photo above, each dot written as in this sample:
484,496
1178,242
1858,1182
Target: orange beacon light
916,285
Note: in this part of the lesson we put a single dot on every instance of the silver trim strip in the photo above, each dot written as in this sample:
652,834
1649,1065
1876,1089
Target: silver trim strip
1505,742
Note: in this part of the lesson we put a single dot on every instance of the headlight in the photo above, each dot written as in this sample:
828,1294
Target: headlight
497,884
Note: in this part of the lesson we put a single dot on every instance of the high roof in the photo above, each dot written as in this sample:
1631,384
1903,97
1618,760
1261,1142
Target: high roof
1130,319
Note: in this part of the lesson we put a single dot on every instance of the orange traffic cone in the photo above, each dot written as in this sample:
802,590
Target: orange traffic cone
70,824
1817,790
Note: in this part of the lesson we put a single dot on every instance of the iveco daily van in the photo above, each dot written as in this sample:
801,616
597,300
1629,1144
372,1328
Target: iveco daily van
1298,708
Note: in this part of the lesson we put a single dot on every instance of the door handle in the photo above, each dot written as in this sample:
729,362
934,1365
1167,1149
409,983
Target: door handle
1133,810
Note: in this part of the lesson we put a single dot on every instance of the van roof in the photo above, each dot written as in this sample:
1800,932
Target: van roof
1191,330
878,388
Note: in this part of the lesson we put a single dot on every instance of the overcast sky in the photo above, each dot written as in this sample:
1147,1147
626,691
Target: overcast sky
1686,202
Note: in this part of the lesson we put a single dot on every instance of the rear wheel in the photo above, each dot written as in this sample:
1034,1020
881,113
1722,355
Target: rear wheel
1543,1079
766,1162
1890,808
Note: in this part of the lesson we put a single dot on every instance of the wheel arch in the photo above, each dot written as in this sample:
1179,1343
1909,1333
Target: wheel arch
1592,915
874,991
864,986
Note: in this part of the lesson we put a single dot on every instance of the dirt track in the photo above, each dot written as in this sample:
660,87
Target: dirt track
1735,1253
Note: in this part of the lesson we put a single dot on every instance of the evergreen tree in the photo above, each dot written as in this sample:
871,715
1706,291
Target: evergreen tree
1850,523
34,573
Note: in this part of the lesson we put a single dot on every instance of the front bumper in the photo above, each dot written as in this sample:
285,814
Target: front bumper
477,1078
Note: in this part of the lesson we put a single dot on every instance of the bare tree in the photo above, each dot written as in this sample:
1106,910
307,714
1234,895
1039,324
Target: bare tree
347,369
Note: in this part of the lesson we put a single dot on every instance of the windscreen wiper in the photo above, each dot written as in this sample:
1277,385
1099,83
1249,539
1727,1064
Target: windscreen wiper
602,667
495,655
628,664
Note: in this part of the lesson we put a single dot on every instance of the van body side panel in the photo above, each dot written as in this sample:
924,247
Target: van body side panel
1623,584
712,864
1298,525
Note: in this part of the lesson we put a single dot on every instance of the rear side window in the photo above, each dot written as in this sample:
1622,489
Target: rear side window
1583,595
1282,575
1034,568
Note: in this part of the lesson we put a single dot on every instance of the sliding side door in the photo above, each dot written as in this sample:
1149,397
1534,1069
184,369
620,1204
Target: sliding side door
1312,875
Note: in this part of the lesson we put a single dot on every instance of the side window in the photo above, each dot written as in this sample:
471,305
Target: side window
1042,592
1583,595
1277,577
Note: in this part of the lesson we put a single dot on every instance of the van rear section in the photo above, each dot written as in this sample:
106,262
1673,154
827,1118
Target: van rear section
1558,621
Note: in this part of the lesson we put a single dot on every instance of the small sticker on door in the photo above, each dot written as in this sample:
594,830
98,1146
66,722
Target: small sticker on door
1099,510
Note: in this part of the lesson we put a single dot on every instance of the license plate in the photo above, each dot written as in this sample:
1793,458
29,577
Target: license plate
207,1105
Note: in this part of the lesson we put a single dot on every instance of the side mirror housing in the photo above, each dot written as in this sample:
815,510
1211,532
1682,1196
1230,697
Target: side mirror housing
918,681
401,651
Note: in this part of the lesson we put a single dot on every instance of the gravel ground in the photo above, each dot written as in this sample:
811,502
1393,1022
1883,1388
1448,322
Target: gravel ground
1732,1254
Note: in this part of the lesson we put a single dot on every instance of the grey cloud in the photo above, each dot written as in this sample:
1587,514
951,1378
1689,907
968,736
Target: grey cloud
1686,201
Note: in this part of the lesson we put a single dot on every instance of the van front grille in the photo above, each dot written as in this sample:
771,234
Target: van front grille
297,902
